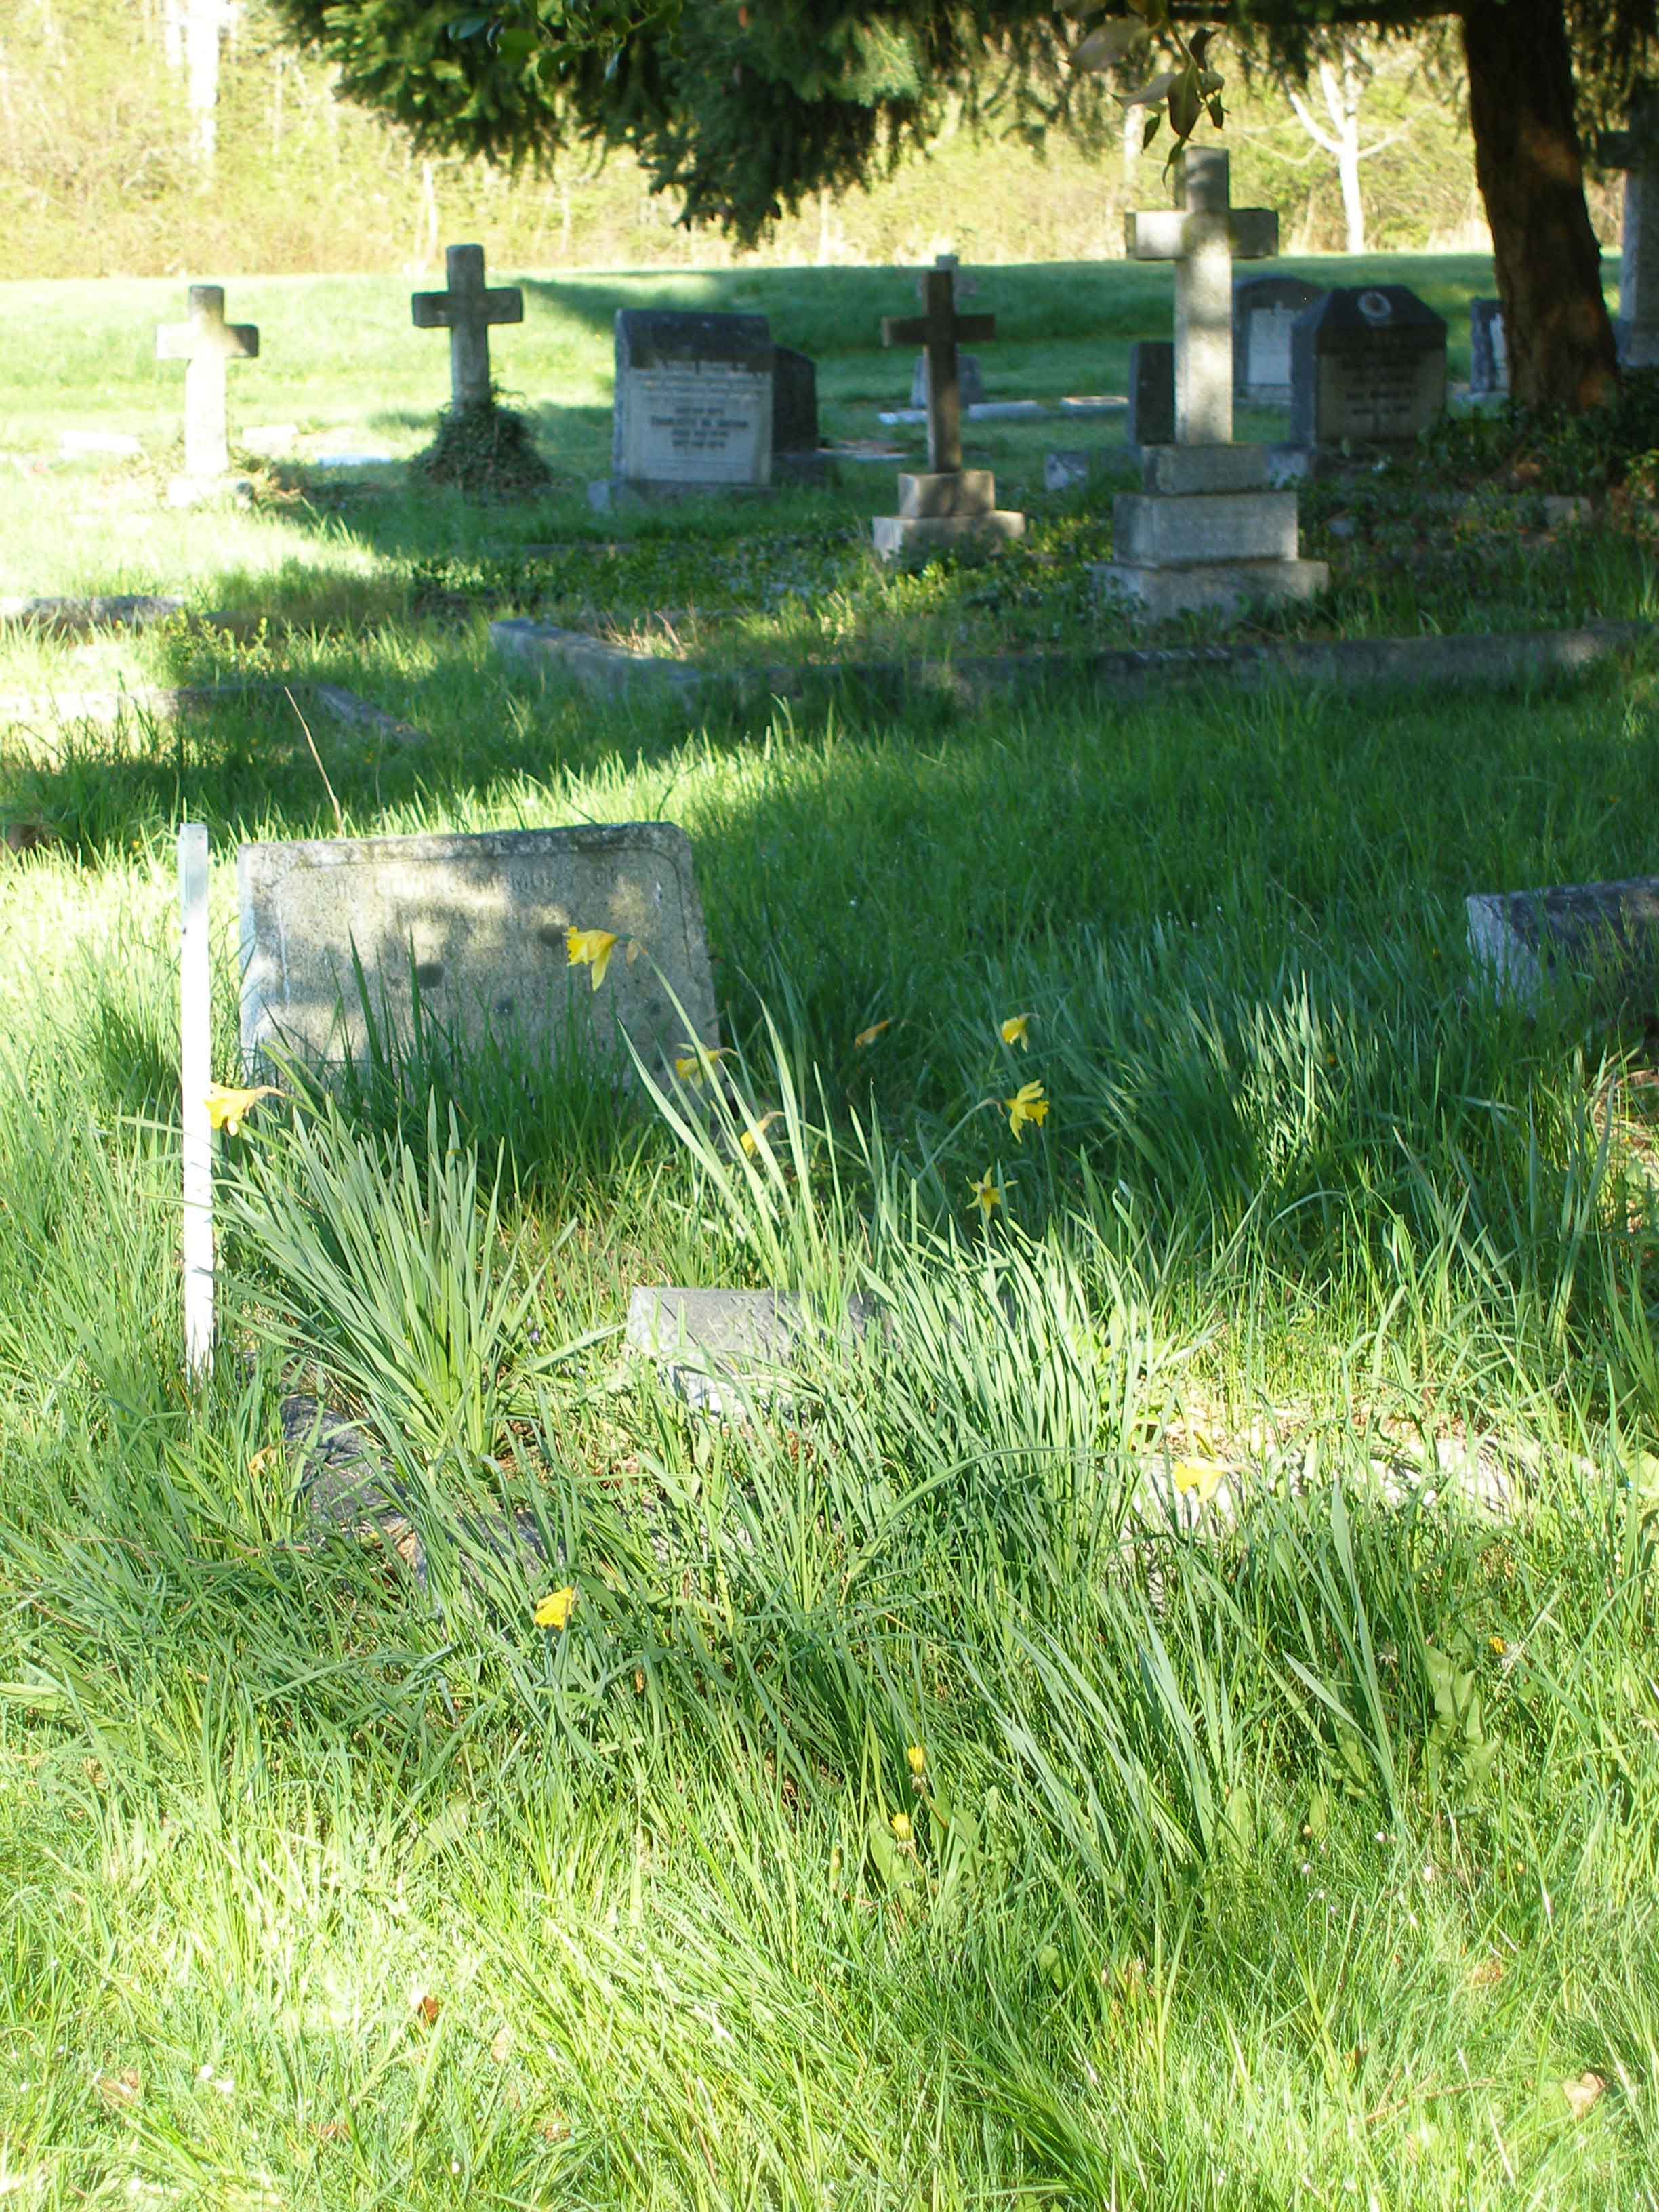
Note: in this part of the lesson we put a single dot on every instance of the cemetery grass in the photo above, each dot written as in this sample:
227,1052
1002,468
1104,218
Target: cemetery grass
1293,1844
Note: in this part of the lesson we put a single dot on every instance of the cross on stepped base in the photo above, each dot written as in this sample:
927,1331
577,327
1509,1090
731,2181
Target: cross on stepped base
1636,151
466,310
208,344
952,508
1206,534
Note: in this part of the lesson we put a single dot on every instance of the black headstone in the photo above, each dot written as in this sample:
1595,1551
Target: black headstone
968,375
794,402
1368,368
1152,392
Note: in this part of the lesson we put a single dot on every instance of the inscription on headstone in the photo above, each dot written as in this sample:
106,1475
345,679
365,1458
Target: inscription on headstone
1368,368
480,926
694,402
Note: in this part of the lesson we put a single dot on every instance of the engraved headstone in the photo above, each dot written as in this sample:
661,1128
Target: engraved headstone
207,343
481,927
1368,368
466,309
1489,352
1264,308
1152,392
693,408
795,455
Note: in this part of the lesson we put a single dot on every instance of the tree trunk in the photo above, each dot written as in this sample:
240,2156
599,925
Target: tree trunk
1532,178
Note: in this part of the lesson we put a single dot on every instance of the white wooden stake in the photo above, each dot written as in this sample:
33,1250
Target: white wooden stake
196,1071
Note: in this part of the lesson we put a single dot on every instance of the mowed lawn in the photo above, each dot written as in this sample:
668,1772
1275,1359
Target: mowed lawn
1169,1719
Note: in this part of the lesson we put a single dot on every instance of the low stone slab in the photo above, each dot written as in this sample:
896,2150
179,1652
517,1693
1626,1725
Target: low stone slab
1226,588
480,927
1073,468
719,1349
1155,529
1605,935
123,610
1184,471
917,539
98,445
612,671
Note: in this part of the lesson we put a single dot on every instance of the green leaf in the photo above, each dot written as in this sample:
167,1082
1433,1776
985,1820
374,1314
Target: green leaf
518,42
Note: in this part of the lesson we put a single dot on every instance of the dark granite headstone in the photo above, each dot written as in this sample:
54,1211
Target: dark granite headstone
1152,392
1489,352
1368,369
795,455
1264,309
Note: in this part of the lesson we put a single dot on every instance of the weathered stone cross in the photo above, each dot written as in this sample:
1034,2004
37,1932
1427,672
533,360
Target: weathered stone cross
208,344
1203,234
466,310
941,330
1636,151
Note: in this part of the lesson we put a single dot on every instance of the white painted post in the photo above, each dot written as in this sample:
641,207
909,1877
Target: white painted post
196,1072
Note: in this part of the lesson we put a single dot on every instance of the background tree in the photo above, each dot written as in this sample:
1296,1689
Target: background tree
743,108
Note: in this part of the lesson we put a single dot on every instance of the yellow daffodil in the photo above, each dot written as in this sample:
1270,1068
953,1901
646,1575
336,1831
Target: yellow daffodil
917,1759
1027,1104
988,1193
555,1610
591,948
751,1137
694,1063
1206,1476
1497,1643
227,1110
901,1826
1017,1029
869,1036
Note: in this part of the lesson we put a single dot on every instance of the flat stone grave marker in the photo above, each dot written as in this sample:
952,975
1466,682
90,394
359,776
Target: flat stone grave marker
693,410
718,1349
1489,351
1636,151
1606,934
1368,368
480,926
206,345
1264,309
467,308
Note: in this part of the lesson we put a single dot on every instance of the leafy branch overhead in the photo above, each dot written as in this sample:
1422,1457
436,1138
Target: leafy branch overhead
1186,92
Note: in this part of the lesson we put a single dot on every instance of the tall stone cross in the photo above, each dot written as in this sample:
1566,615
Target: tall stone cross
1203,234
208,344
940,330
1636,151
466,310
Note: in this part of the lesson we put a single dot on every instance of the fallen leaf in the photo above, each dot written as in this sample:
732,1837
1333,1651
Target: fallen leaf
119,2091
555,2128
1583,2094
429,2008
1488,1971
502,2049
332,2131
264,1460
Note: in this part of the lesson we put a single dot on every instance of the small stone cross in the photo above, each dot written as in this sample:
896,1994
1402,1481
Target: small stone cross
208,344
940,331
1636,151
466,310
1203,234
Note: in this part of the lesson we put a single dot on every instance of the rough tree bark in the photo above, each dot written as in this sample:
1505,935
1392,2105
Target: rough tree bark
1527,157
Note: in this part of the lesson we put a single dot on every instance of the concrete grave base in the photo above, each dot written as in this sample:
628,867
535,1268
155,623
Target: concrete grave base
916,539
612,492
1606,935
1209,587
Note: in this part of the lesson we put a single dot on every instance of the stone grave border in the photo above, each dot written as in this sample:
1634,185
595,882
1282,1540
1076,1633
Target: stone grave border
1126,673
165,701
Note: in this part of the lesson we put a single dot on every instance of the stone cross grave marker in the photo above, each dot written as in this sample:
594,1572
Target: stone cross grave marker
1203,234
207,343
1636,151
465,310
481,926
940,330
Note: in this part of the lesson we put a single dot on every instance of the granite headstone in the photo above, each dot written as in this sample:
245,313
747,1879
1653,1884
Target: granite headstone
694,403
1368,369
1152,392
1264,309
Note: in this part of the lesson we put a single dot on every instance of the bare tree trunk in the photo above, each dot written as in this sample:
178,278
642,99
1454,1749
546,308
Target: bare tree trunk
1527,157
1342,98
